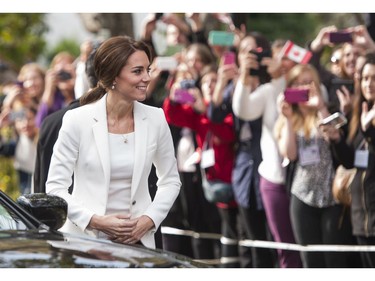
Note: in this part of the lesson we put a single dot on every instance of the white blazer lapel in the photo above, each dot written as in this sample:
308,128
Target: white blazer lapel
140,129
100,132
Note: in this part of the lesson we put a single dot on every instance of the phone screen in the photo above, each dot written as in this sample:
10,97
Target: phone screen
220,38
183,96
229,58
340,37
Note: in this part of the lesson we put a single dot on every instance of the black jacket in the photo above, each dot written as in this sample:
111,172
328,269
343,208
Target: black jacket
363,185
48,134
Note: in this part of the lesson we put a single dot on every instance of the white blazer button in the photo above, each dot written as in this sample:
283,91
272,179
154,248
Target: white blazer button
133,203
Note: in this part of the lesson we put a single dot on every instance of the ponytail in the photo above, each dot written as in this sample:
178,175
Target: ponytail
93,95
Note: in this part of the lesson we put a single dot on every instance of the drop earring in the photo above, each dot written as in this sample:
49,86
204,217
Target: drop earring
113,86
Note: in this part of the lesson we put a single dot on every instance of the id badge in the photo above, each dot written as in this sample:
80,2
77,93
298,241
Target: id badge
309,155
208,158
361,158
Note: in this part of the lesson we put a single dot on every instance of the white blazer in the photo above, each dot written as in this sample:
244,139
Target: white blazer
82,148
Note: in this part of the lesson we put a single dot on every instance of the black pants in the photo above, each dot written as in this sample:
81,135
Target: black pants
330,225
191,211
229,229
368,258
255,226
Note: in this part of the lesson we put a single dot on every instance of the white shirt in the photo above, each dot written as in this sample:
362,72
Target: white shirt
25,154
122,164
251,106
81,85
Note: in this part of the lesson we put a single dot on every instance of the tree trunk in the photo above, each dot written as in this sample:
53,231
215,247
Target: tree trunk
112,24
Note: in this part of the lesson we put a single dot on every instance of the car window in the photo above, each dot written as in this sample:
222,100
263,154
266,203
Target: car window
9,220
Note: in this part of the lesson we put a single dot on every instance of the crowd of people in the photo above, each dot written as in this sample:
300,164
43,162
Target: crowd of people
234,134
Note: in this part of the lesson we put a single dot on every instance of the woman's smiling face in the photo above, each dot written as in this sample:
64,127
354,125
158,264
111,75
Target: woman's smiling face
134,77
368,82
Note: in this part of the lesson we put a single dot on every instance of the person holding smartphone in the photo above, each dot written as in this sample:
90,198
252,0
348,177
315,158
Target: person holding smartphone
315,216
245,176
354,148
353,42
251,101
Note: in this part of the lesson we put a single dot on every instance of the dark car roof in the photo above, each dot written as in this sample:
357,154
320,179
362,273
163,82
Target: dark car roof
26,242
42,249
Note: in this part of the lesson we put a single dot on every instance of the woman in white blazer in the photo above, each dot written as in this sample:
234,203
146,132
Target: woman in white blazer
110,144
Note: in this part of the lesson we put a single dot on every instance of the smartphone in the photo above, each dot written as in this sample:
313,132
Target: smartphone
260,53
172,50
183,96
63,75
336,119
187,84
19,83
220,38
293,95
229,58
337,83
166,63
340,37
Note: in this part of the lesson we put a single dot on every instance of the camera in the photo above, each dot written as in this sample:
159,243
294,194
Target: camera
63,75
337,83
260,53
17,115
293,95
187,84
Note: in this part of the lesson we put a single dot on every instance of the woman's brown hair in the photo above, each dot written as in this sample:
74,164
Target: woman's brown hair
110,58
358,99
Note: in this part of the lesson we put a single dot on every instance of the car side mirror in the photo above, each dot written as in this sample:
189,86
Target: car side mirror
49,209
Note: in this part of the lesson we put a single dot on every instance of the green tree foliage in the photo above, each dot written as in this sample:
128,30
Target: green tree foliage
67,45
9,178
297,27
301,28
21,37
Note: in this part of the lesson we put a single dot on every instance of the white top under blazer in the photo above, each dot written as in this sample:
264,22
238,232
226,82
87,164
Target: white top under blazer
82,149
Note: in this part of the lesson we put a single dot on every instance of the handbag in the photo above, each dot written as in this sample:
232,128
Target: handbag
217,191
343,180
341,185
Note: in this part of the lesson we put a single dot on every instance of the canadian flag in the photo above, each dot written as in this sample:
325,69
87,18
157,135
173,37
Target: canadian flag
296,53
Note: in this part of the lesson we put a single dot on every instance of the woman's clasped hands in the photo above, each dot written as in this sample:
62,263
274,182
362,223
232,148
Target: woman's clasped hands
121,228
